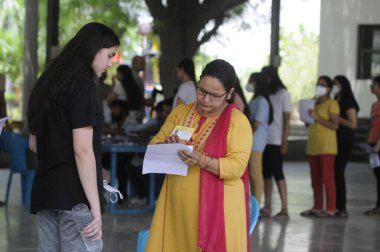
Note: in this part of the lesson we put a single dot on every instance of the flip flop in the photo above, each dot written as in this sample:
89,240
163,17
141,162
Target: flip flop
264,213
325,214
282,215
309,213
341,213
372,212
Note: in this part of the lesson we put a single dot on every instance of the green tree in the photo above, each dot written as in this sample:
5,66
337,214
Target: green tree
120,15
183,26
11,34
299,53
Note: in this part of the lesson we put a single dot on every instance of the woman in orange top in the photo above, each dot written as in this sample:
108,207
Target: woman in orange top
322,149
374,139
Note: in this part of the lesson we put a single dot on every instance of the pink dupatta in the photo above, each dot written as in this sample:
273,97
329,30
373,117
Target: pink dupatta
211,226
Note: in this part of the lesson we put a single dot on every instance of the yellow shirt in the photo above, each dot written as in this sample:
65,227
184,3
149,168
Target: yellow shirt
322,140
175,221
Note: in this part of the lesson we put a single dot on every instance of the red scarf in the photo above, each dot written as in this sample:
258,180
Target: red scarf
211,226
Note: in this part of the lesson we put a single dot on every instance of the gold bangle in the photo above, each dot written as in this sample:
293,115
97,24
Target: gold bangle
202,161
209,163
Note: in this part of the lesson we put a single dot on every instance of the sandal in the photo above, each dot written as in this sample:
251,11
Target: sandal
309,213
264,213
325,214
341,213
373,212
282,215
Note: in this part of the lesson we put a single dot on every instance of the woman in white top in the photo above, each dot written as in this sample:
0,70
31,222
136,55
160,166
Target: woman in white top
186,74
277,143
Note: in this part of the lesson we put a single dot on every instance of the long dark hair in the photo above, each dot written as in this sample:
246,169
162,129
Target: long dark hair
346,94
135,97
271,76
224,72
187,65
262,89
240,92
72,64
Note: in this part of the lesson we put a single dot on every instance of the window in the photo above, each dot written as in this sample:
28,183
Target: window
368,51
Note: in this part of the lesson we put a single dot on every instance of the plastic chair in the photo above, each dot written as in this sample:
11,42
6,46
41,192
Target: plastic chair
16,145
142,240
254,213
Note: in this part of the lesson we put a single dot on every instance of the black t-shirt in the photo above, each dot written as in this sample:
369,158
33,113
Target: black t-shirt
343,131
56,184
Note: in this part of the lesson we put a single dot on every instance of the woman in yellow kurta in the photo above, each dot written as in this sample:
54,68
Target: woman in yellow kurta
182,201
322,148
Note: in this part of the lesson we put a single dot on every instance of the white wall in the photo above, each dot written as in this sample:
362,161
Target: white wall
338,43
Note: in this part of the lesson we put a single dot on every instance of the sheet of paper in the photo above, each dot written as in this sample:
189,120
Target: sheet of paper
2,122
304,107
184,133
365,147
163,158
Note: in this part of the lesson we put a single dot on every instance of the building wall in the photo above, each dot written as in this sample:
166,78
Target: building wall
338,43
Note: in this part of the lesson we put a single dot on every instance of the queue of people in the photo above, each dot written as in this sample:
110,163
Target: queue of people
329,145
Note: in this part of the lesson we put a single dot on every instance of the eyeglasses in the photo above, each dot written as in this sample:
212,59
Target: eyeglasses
213,96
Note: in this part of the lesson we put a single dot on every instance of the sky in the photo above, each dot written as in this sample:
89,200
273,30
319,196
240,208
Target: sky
248,49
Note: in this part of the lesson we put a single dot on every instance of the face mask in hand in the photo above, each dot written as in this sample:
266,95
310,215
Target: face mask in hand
250,88
320,91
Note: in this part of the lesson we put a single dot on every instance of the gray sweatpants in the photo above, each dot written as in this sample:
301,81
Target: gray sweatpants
57,232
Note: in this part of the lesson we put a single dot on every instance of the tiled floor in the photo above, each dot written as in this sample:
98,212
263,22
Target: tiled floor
358,233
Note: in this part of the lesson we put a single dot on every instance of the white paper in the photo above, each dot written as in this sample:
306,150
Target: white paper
163,158
2,122
373,157
374,160
304,107
365,147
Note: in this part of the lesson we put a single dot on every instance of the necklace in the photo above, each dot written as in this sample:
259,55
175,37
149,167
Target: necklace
203,126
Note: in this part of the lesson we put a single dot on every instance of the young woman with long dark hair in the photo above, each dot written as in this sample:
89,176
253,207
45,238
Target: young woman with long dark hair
349,109
277,142
65,124
135,98
261,116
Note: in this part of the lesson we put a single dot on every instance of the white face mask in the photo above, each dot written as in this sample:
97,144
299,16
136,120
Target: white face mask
250,88
320,91
334,91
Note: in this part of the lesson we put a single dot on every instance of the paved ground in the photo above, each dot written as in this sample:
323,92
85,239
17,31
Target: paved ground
357,233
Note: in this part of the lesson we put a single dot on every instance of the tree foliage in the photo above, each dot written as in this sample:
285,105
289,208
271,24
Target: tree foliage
11,34
299,53
183,26
120,15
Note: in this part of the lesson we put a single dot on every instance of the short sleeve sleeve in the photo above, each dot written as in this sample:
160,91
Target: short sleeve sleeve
286,101
82,104
334,108
262,111
350,104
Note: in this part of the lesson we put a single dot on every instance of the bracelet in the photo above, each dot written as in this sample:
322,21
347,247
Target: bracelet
202,161
209,163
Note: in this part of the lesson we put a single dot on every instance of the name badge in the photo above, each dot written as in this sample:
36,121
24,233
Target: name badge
183,132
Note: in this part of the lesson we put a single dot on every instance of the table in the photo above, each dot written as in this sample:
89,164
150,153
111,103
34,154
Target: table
114,149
